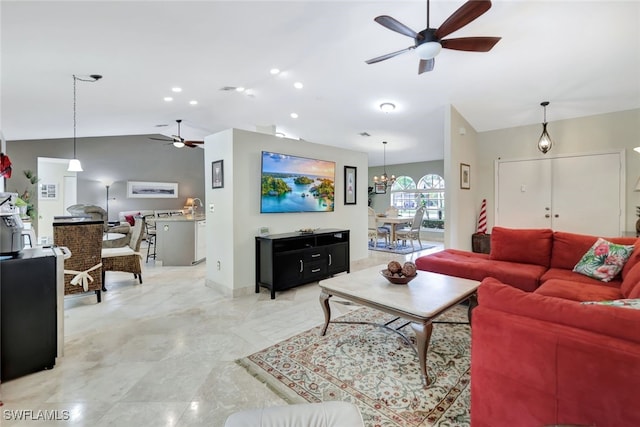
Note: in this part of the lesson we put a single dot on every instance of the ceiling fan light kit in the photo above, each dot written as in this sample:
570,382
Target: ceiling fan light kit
545,143
429,42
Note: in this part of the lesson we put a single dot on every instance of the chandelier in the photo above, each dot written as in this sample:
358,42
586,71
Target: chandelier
384,178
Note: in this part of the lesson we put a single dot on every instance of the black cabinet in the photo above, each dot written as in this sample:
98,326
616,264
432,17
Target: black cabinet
28,319
286,260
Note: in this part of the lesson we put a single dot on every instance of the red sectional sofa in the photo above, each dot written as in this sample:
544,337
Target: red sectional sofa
544,361
539,260
539,357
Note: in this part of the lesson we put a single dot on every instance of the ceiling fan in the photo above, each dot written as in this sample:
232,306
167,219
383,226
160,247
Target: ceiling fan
179,141
429,41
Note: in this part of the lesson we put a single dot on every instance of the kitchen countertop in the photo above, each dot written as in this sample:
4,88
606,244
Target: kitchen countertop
182,218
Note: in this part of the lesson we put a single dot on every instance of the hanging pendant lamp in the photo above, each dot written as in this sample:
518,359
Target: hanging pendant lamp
74,164
545,143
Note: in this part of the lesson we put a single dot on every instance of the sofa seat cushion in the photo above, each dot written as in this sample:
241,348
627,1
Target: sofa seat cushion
475,266
529,246
575,291
560,273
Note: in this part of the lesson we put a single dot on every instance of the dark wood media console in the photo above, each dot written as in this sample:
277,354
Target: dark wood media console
286,260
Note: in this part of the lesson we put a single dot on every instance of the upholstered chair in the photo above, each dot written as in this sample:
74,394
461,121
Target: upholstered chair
127,258
83,269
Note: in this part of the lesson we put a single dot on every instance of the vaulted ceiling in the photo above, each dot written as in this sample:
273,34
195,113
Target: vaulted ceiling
582,56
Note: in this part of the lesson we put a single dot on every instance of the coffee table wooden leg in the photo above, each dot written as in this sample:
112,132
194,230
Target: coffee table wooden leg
473,303
423,336
324,302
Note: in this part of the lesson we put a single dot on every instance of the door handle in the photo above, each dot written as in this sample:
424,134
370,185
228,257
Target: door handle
556,216
547,216
329,259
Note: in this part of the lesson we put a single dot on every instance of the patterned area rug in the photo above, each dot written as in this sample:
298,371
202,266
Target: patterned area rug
400,249
375,369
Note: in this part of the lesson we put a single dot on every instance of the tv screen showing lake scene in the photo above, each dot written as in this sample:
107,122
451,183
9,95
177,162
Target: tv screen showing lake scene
296,184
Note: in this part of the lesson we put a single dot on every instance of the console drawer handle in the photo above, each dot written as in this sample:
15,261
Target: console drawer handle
329,259
315,270
315,255
301,266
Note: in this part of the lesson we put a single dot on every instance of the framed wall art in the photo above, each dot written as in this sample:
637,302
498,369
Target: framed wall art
48,191
465,176
152,190
350,180
217,174
380,188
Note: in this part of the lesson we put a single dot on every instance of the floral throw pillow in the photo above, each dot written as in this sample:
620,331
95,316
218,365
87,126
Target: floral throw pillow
604,260
624,303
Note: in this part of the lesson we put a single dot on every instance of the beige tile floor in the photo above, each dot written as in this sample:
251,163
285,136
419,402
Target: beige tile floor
162,353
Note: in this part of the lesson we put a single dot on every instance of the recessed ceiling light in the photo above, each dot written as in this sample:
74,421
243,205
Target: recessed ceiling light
387,107
294,115
194,102
176,89
274,71
298,85
240,89
168,98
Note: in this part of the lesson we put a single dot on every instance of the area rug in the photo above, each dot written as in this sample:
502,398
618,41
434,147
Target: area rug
375,369
398,249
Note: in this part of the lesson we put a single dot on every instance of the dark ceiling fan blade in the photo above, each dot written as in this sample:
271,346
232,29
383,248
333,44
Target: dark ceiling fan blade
389,55
161,139
426,65
193,144
471,44
461,17
394,25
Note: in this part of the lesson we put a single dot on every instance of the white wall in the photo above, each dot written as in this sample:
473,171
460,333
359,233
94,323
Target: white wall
236,219
462,206
592,134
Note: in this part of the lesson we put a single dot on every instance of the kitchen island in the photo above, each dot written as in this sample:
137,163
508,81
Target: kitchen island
181,239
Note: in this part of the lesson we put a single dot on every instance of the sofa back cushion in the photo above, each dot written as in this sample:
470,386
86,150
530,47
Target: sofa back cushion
613,321
569,248
631,282
529,246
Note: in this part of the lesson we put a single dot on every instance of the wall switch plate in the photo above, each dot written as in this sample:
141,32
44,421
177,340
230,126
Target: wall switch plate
211,209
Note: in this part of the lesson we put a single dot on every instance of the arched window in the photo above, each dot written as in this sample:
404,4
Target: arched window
403,195
431,194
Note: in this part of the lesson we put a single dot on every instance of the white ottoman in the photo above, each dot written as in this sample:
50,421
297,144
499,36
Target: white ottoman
324,414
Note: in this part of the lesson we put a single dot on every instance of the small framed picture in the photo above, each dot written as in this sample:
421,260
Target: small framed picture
217,174
380,188
350,176
465,176
48,192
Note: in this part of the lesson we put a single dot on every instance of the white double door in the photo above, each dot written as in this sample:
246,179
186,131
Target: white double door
578,194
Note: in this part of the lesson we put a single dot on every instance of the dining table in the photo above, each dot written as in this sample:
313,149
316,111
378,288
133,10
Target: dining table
393,220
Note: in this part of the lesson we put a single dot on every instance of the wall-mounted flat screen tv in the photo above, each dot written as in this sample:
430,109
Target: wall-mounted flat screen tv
296,184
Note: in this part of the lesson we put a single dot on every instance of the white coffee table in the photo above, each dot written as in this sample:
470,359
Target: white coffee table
420,301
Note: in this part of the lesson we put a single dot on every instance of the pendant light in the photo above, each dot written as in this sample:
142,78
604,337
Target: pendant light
545,143
384,178
74,164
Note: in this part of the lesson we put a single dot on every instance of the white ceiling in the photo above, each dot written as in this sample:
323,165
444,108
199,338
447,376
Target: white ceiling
582,56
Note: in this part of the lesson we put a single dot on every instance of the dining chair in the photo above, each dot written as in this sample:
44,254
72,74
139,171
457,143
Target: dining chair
375,232
412,233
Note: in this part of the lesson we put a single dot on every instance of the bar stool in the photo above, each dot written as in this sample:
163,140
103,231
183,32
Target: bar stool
150,231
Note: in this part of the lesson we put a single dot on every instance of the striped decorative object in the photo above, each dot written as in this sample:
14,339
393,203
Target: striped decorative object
482,219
